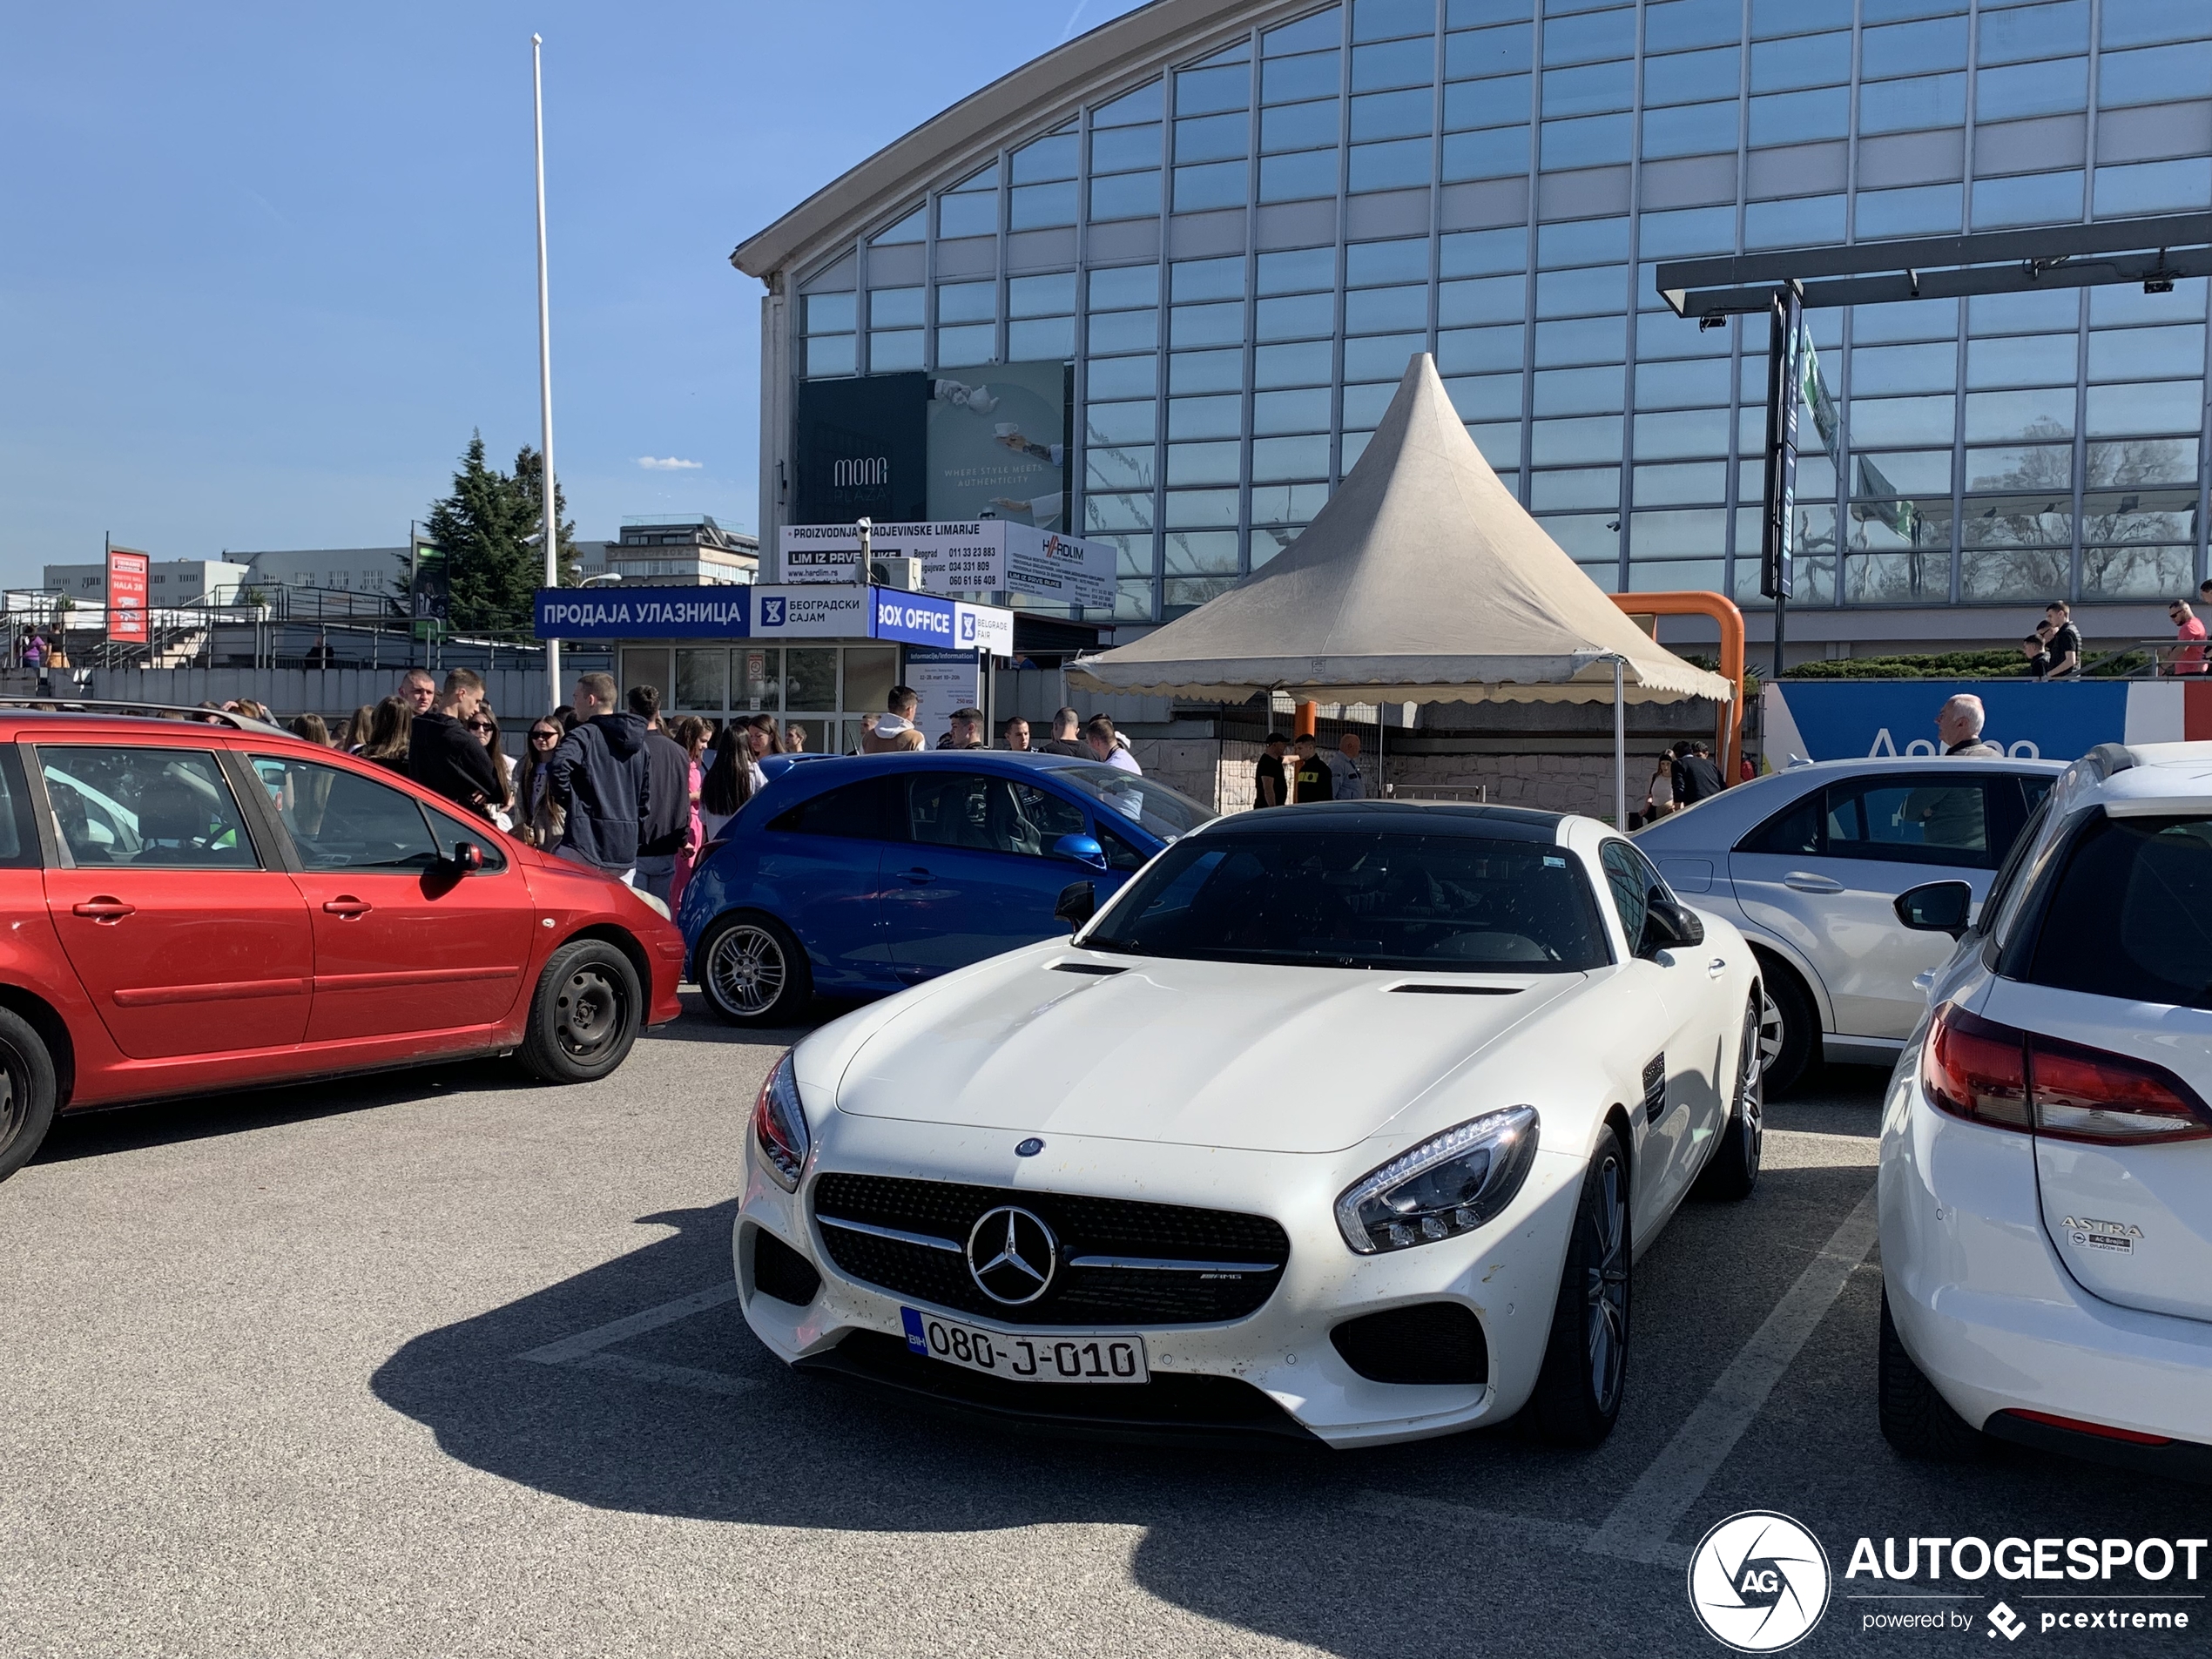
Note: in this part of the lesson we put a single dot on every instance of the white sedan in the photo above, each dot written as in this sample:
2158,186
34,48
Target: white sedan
1339,1122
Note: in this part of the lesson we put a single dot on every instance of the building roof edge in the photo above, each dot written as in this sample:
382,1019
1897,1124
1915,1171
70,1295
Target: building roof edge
905,166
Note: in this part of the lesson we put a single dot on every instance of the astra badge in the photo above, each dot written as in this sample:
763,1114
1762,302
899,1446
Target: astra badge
1759,1581
1011,1256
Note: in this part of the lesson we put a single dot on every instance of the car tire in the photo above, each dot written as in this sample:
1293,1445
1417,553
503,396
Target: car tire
1579,1390
1788,1026
27,1108
1733,1169
752,971
584,1015
1916,1419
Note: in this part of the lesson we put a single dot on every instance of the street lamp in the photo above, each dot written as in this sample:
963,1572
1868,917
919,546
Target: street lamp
551,534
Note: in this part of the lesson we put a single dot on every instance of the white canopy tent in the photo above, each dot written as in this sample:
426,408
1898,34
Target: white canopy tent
1422,580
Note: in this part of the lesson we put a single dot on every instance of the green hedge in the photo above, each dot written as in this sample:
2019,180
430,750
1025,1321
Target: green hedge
1949,665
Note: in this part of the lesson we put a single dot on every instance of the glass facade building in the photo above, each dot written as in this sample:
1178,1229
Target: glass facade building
1239,245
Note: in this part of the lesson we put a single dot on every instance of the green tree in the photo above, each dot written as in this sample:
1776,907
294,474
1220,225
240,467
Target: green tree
483,528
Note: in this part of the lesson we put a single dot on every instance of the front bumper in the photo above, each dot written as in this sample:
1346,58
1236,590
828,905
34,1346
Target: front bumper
1507,1274
1986,1308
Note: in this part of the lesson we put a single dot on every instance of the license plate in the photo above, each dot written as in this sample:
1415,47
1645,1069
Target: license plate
1069,1358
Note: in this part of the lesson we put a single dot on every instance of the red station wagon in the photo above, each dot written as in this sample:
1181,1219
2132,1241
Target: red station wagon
201,903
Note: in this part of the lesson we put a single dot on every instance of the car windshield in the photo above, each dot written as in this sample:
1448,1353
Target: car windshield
1361,899
1141,800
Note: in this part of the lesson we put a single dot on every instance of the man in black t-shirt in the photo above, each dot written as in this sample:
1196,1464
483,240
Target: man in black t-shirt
2065,640
1269,787
1315,779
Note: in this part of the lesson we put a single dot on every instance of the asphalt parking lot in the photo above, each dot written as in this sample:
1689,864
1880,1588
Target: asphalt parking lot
445,1363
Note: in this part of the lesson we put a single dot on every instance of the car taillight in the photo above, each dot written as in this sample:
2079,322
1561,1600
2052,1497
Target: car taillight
1977,1069
2008,1078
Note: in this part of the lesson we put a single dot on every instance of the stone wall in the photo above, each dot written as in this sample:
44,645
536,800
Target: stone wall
1221,775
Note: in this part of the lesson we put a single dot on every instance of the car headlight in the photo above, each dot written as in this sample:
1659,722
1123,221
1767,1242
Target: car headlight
1449,1184
779,1126
653,901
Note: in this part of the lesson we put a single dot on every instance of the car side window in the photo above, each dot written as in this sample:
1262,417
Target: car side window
1910,821
1630,887
451,831
19,835
851,812
340,820
1120,855
1052,816
1793,832
146,808
984,813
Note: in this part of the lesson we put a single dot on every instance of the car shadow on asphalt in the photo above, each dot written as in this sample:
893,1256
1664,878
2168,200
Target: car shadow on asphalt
103,1130
1367,1554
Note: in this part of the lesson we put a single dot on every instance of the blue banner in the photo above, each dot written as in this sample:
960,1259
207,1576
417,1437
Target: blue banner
1850,720
644,613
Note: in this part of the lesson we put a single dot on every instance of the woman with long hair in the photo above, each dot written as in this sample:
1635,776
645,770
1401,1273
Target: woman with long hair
387,733
311,727
730,782
538,818
486,726
356,736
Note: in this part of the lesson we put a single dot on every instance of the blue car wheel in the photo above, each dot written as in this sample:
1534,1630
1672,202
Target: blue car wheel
752,970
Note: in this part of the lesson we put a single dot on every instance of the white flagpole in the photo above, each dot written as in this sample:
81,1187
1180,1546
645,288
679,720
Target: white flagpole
552,529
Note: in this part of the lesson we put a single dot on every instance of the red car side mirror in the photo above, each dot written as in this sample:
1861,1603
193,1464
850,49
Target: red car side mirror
468,857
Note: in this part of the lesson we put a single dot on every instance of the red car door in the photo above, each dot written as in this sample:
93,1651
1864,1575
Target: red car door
403,941
186,938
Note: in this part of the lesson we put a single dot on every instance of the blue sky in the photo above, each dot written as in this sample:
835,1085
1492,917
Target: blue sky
263,267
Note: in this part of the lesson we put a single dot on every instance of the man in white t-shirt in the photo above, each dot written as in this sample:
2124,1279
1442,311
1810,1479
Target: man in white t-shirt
1350,782
1100,737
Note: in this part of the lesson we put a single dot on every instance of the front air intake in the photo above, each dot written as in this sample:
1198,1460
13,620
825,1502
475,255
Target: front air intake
1438,1343
780,1272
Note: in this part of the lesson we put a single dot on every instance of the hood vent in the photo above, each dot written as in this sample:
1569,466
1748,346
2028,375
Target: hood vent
1099,970
1456,990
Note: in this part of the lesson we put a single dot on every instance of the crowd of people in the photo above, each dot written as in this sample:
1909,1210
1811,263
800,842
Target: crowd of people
1295,771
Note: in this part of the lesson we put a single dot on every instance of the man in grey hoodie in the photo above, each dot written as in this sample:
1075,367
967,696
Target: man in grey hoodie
598,776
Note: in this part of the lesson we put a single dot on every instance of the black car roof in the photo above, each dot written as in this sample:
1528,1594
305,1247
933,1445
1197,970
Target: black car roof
1431,817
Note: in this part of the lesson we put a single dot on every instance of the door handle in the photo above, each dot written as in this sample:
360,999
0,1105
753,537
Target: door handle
349,907
1806,881
916,877
104,909
1717,967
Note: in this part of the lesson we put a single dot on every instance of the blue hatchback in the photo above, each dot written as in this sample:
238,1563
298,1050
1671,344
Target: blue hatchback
861,875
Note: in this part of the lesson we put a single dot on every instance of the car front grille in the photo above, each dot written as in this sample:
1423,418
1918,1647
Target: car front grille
1120,1262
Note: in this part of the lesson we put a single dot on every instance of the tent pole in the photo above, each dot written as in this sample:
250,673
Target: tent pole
1620,752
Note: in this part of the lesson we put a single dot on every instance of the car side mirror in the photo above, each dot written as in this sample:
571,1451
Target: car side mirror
1936,908
1669,925
1077,903
468,857
1083,849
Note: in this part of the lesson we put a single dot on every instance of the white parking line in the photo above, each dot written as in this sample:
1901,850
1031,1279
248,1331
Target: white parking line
569,1350
705,1382
1638,1527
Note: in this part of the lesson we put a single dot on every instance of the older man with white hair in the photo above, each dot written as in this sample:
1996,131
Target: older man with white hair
1958,728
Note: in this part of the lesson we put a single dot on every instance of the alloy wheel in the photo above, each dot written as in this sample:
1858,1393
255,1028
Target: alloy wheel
1606,1326
15,1094
746,970
1750,1086
1772,1034
588,1014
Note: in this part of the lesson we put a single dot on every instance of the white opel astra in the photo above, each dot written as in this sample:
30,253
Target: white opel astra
2046,1182
1339,1122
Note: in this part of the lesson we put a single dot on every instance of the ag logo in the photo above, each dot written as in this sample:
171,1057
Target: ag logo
771,612
1759,1581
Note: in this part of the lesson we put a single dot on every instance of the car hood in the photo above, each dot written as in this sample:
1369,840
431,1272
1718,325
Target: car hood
1258,1058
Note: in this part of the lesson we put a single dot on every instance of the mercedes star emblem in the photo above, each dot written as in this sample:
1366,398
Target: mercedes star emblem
1011,1256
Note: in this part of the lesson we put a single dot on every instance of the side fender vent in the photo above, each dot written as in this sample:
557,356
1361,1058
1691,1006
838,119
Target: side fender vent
1655,1088
1455,990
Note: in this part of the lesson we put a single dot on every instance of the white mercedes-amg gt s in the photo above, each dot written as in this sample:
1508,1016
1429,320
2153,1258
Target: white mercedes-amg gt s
1341,1121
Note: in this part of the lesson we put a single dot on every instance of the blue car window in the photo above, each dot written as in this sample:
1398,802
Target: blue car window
857,811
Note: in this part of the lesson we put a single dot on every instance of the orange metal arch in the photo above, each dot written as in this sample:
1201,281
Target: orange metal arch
1728,733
